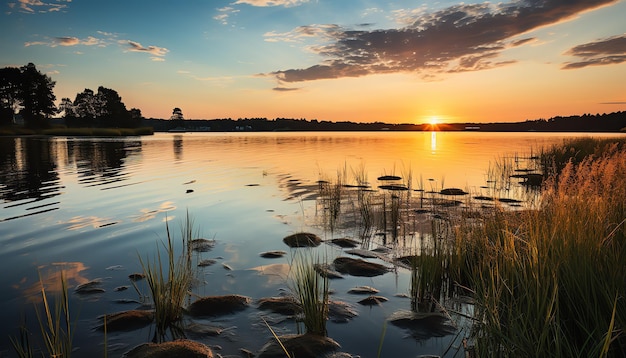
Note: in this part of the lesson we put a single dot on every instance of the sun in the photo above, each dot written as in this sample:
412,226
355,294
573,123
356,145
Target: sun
433,121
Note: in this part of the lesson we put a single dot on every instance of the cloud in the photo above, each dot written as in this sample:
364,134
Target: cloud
263,3
464,37
608,51
133,46
285,89
38,6
225,13
326,32
67,41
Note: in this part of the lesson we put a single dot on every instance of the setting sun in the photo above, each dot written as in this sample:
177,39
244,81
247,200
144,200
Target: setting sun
434,120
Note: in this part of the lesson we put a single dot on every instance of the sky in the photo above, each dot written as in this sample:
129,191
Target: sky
339,60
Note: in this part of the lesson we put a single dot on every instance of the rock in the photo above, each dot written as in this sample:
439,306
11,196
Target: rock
287,305
363,290
207,262
273,254
452,191
90,287
341,312
182,348
358,267
393,187
300,346
389,177
302,239
363,253
218,305
136,276
373,300
127,320
423,325
120,288
202,245
345,242
324,270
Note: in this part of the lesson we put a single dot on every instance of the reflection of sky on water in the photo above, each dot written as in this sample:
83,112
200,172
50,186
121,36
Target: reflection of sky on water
102,202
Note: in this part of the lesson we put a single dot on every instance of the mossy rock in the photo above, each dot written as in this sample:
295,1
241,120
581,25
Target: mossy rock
300,346
182,348
345,242
302,239
287,305
358,267
127,320
218,305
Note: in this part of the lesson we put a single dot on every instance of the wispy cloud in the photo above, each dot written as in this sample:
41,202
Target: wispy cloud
602,52
285,89
38,6
224,14
133,46
464,37
263,3
67,41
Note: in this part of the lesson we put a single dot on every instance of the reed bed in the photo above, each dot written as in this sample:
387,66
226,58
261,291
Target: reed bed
550,282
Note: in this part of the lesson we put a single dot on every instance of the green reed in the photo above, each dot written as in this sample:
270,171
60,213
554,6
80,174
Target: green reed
312,291
54,325
169,280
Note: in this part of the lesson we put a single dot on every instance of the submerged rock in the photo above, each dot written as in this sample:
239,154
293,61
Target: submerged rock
207,262
273,254
218,305
301,346
423,325
358,267
136,276
201,245
341,312
363,290
183,348
389,177
452,191
324,270
302,239
373,300
345,242
287,305
363,253
92,286
126,320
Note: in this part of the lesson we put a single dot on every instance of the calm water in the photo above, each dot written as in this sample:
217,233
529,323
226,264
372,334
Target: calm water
91,207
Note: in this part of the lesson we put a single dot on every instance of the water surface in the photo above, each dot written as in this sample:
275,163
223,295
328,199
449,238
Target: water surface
92,206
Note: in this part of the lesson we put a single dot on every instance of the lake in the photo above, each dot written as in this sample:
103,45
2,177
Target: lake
92,206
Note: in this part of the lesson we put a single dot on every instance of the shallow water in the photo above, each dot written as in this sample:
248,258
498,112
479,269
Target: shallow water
90,207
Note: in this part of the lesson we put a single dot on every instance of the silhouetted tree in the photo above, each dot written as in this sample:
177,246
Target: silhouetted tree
10,78
36,96
102,109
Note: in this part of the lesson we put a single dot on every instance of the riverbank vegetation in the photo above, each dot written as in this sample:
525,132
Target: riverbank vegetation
541,274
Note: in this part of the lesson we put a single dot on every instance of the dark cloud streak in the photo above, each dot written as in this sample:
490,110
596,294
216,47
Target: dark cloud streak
466,37
602,52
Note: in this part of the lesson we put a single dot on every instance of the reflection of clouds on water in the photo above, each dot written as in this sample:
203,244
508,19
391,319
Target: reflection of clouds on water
149,214
275,273
81,222
50,280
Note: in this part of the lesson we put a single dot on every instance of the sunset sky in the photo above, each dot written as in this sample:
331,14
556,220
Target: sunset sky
392,61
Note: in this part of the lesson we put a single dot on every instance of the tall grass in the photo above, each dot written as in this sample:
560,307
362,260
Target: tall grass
54,325
550,282
169,280
312,292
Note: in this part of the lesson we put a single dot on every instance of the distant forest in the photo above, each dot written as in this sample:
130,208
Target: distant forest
612,122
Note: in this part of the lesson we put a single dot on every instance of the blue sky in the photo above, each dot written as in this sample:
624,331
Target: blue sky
398,61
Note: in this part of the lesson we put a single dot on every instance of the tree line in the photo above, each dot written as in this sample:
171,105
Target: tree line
27,93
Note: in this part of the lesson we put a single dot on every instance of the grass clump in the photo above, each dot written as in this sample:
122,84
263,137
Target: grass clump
169,280
54,325
311,290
